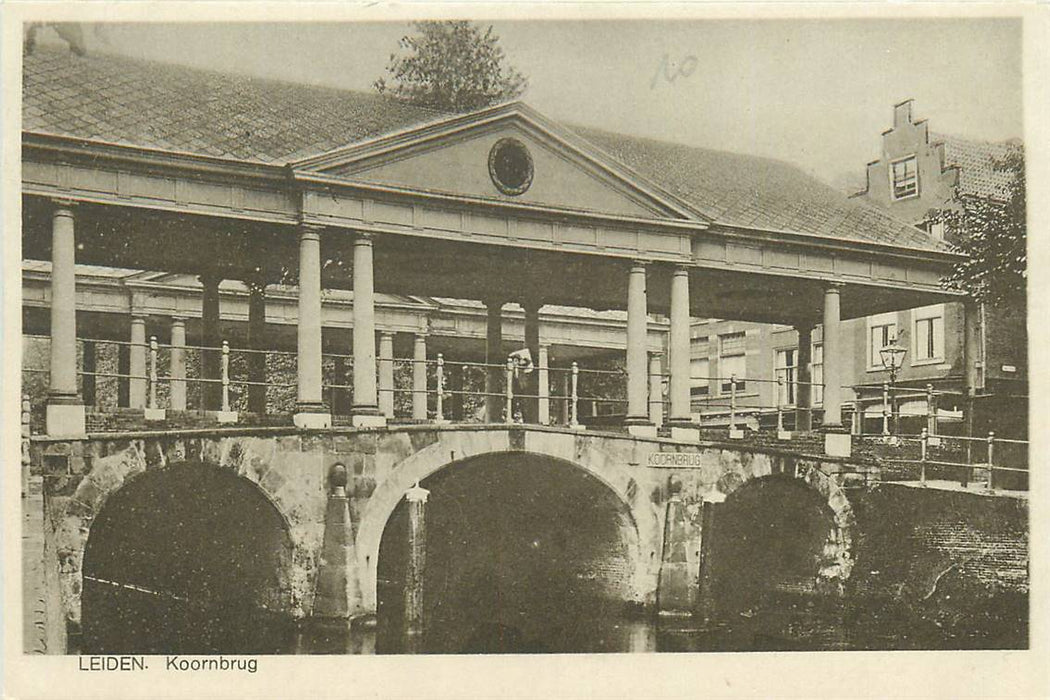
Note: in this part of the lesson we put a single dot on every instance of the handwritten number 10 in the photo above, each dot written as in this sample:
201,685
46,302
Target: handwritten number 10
670,71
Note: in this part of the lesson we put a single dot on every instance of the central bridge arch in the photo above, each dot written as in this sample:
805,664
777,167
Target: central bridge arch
454,448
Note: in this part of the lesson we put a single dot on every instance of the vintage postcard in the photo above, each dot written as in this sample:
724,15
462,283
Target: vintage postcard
531,351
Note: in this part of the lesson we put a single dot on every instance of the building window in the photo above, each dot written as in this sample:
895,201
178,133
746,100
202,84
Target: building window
929,334
817,370
905,174
700,377
732,361
787,363
881,335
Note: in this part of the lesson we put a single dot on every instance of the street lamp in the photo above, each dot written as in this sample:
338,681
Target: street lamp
892,357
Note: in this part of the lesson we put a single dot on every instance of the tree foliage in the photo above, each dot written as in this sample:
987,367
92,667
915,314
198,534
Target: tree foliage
452,65
992,233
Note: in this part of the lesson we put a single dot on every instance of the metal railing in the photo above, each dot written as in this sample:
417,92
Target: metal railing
1005,460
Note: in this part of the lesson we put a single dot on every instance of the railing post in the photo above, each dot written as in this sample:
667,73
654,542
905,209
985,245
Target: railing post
440,403
153,371
574,412
924,456
509,417
225,376
780,399
885,409
732,405
931,410
991,448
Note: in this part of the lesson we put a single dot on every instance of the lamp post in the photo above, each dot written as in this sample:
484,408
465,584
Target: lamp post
892,357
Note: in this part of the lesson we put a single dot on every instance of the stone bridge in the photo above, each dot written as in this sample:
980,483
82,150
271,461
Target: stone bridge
334,491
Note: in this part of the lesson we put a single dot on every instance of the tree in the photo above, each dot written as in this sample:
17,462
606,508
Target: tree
452,66
992,233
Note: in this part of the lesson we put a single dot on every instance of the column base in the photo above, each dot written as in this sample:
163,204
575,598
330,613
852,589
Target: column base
155,414
312,420
641,429
367,418
838,443
66,420
225,416
684,430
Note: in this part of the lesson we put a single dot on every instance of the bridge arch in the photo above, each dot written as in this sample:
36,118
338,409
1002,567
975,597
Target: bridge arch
456,448
834,562
74,524
188,558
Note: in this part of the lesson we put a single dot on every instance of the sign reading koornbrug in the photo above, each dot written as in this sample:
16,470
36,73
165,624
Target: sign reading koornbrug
673,459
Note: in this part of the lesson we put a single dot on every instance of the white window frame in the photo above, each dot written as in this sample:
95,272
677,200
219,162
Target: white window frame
926,313
817,390
874,364
893,177
789,371
724,385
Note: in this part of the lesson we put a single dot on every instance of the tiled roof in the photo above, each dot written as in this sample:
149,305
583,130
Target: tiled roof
976,162
753,192
156,105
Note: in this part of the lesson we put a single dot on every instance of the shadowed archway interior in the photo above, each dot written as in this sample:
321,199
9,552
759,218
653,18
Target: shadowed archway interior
768,540
525,553
186,559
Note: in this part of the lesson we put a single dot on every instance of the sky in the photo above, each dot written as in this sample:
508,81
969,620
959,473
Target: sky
817,93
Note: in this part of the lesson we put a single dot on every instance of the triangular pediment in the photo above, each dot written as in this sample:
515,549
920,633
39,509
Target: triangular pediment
507,153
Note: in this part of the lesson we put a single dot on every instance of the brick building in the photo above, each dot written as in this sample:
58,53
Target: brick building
919,173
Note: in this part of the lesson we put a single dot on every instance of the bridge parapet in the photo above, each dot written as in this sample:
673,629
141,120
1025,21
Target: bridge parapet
292,467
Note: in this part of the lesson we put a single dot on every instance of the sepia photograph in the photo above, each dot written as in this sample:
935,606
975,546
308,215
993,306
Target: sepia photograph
482,336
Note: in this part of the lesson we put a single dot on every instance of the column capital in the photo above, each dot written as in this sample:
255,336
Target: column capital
363,237
63,207
833,287
387,333
420,335
637,264
680,269
178,320
309,231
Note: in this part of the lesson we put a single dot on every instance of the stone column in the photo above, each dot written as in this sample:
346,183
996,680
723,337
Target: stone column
637,418
833,357
386,374
656,389
566,391
837,442
419,377
89,380
65,409
530,385
679,350
494,356
804,373
365,411
256,341
178,364
137,364
543,386
417,560
310,411
211,360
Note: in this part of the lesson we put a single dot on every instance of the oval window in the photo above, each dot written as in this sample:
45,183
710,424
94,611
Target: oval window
510,166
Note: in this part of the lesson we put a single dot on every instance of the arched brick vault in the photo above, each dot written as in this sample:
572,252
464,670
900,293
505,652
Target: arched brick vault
110,473
836,560
457,446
